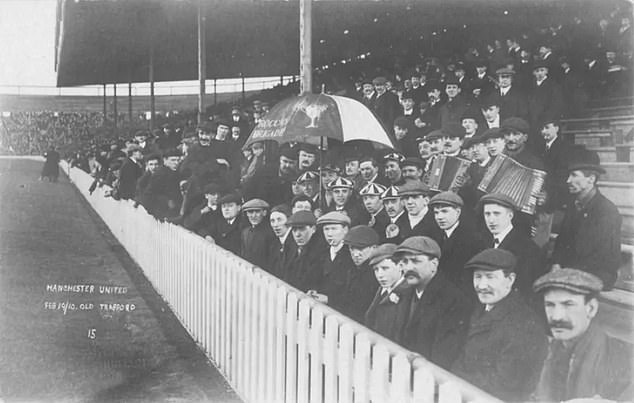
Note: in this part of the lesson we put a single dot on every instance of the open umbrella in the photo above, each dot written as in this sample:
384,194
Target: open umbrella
308,118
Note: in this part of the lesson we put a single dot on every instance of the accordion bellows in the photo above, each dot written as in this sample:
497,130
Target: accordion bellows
447,173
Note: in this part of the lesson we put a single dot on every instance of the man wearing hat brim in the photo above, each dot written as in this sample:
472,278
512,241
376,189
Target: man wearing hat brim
516,136
371,198
392,168
205,215
435,139
398,223
413,169
257,236
162,197
456,104
459,241
481,160
227,232
130,172
601,366
438,312
284,246
545,98
506,343
590,234
420,218
453,137
304,270
556,154
386,106
499,211
387,313
307,157
344,200
511,100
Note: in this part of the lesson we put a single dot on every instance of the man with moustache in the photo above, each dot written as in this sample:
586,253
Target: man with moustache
304,270
506,342
438,312
206,161
273,183
307,157
397,225
257,236
283,246
412,169
515,137
453,137
583,361
392,166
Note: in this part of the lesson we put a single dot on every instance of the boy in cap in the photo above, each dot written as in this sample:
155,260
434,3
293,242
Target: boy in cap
420,219
371,198
304,270
205,215
437,311
506,343
583,361
162,197
387,313
257,237
227,231
283,246
130,172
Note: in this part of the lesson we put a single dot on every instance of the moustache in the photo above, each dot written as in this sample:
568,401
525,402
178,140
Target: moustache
411,273
560,324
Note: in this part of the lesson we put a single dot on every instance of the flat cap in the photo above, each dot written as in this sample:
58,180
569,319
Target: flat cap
493,133
379,81
283,209
398,157
211,188
403,122
435,134
516,124
205,127
448,198
574,280
490,100
540,64
453,130
308,148
301,218
382,252
471,113
505,71
341,183
361,236
419,245
255,204
288,152
390,193
372,189
308,176
413,161
334,217
413,188
492,259
232,197
497,198
473,140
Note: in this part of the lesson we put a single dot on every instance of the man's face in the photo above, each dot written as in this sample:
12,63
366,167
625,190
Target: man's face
152,165
222,132
505,80
417,269
360,255
550,131
491,113
296,188
578,182
412,172
514,140
400,132
368,89
470,126
497,218
140,139
408,104
309,188
334,233
352,168
415,203
481,70
380,88
372,203
368,170
306,160
387,273
495,146
328,176
480,152
303,234
287,165
340,196
446,216
492,286
212,198
436,145
302,205
172,162
434,94
278,223
424,149
137,156
204,138
452,144
393,207
235,133
392,171
568,314
540,73
415,81
230,210
459,73
256,216
452,90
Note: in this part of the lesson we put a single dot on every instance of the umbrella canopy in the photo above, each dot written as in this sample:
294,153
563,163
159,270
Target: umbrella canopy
309,117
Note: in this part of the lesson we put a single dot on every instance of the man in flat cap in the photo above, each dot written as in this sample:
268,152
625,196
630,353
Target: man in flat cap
470,121
257,237
332,285
583,362
512,101
590,234
516,136
392,168
371,198
143,139
456,103
495,142
386,105
360,281
227,232
413,169
283,247
162,197
481,160
490,107
438,311
388,312
420,219
304,270
152,164
499,210
506,342
544,98
458,239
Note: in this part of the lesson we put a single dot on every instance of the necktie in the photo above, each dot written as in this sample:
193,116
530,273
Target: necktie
496,242
299,250
412,308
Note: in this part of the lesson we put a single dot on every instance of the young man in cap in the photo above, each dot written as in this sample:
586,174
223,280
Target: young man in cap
130,172
205,215
343,200
360,281
392,168
405,138
482,84
398,223
590,235
480,162
152,164
438,312
583,361
304,270
258,236
515,132
283,247
458,240
331,288
352,171
162,197
369,168
420,219
506,342
309,184
470,121
371,198
228,231
413,169
490,107
499,210
427,118
544,99
456,104
387,313
453,137
495,142
511,101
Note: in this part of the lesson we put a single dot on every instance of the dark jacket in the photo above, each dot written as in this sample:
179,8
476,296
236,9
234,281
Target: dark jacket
129,174
388,314
162,197
590,239
255,243
228,236
379,222
279,255
452,111
438,324
556,158
505,349
597,364
202,223
401,229
360,287
386,108
304,271
334,278
426,227
545,100
514,103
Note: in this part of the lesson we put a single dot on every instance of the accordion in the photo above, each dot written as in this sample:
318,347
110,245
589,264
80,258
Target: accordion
520,183
446,173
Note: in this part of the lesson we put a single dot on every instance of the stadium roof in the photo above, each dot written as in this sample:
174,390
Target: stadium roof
106,41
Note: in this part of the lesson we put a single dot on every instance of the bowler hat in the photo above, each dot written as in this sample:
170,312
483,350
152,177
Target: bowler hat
584,159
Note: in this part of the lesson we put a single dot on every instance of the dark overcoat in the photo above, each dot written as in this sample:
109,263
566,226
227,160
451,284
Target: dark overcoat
334,277
162,197
388,314
228,235
279,254
129,174
256,243
361,285
304,271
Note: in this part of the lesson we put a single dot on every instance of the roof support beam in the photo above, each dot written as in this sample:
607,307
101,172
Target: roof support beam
202,60
305,46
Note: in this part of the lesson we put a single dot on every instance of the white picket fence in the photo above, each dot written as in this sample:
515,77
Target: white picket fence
272,342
